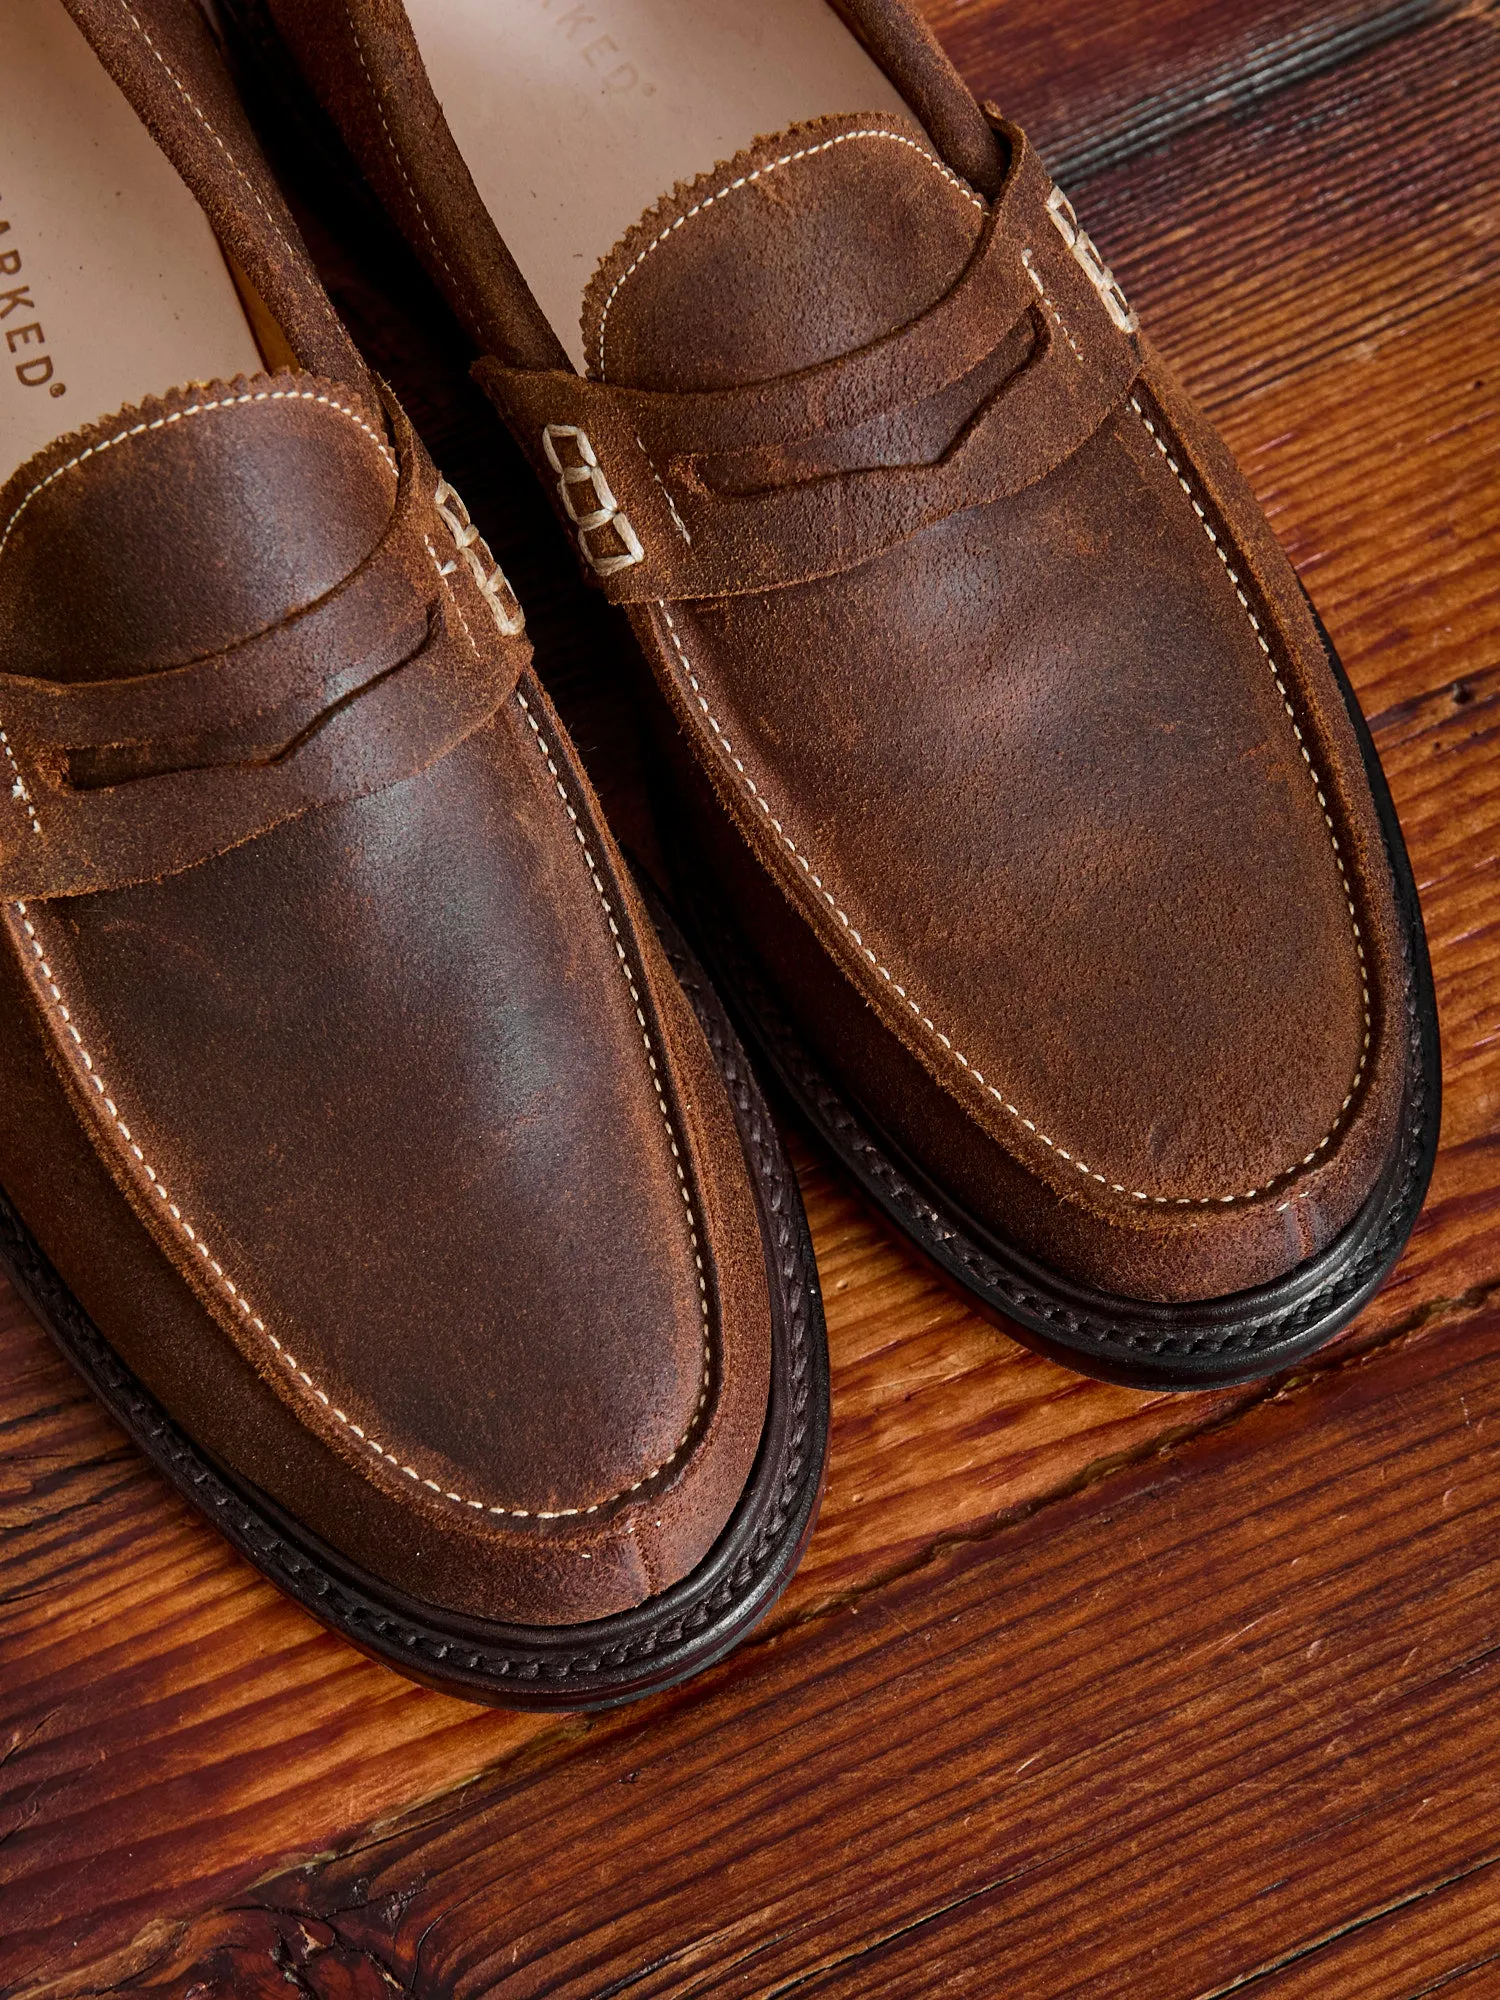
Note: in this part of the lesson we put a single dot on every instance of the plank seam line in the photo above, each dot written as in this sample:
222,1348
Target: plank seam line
1304,1954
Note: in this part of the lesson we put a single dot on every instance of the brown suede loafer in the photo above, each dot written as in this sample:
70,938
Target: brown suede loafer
1024,810
392,1174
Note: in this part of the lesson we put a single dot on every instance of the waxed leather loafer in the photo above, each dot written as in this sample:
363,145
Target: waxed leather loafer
1022,806
389,1169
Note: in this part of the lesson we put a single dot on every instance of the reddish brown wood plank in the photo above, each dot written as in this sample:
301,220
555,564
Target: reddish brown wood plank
1443,1938
1093,85
175,1726
171,1721
1160,1736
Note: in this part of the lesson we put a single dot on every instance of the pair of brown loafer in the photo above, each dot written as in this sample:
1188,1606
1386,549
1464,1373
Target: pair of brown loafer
377,1144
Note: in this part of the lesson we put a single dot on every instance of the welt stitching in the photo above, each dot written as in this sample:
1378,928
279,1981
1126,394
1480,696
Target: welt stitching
760,173
395,150
1014,1111
213,133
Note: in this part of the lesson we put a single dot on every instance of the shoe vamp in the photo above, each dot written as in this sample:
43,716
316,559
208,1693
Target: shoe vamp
387,1062
1038,761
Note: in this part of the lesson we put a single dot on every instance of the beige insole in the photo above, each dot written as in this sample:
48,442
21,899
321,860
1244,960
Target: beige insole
112,284
573,119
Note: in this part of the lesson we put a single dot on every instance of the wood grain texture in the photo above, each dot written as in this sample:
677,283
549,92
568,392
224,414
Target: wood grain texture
1325,272
1095,85
170,1721
1454,1926
1272,1709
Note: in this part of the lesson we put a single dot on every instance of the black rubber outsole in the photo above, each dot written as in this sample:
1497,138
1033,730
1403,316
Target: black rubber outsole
599,1665
1213,1343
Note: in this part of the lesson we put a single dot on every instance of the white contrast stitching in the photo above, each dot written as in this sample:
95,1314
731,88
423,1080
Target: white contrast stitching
494,585
745,180
19,789
1086,255
1312,770
582,468
395,150
242,1303
661,1099
687,1199
1079,1166
158,1187
186,1229
677,520
198,410
212,131
1036,279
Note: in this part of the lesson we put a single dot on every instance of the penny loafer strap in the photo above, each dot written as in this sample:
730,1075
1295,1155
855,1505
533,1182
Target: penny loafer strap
720,492
131,779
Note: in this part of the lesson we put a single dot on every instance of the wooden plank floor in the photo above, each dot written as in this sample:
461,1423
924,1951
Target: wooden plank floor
1080,1690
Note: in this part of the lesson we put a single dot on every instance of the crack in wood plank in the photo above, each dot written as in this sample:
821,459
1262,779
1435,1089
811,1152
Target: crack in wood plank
1302,1954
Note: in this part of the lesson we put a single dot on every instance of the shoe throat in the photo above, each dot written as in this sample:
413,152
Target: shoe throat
180,527
805,246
